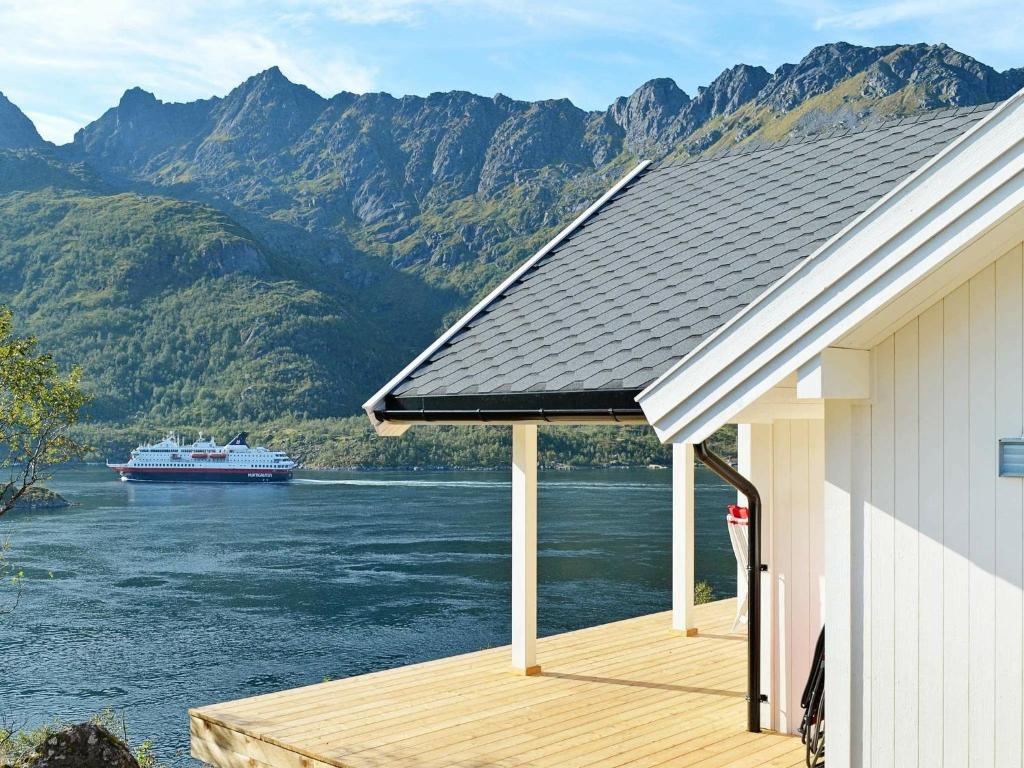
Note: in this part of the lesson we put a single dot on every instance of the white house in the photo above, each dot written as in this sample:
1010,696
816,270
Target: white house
855,303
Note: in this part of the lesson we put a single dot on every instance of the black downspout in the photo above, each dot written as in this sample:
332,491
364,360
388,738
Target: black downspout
721,467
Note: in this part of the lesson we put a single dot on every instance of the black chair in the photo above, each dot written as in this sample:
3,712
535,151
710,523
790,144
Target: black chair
812,701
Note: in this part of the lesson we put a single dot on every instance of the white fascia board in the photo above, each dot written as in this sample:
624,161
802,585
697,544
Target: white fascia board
393,429
967,189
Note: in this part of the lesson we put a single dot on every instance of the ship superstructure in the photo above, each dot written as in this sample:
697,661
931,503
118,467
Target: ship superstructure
206,461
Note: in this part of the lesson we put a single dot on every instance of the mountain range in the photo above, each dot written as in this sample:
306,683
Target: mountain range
274,253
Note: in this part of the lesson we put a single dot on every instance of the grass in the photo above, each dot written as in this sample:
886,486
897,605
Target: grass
17,746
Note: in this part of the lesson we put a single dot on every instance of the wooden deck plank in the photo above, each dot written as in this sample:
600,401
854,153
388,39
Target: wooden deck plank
549,731
556,685
457,670
503,686
626,693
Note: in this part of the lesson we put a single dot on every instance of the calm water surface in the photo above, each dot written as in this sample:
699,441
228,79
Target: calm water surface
153,598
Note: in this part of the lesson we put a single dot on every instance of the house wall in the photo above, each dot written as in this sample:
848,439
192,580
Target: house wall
796,563
784,460
937,538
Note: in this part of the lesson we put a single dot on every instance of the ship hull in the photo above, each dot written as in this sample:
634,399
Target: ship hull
203,475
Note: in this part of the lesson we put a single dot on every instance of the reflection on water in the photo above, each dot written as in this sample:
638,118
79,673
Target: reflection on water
154,598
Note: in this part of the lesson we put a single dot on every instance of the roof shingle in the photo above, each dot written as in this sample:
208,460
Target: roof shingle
672,257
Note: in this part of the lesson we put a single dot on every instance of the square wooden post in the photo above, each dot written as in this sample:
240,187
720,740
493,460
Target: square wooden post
524,549
683,622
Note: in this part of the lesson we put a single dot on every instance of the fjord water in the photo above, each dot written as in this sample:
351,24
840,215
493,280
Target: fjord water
152,598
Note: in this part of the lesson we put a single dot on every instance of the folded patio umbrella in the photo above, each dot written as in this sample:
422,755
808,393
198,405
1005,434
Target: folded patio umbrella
737,521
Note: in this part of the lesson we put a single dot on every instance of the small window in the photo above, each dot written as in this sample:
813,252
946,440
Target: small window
1011,457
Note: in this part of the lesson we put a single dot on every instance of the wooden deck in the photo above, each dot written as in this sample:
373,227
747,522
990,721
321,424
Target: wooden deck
622,694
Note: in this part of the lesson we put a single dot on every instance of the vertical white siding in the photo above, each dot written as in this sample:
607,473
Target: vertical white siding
787,700
1009,516
860,588
931,500
840,550
905,544
981,667
797,559
956,523
883,580
938,541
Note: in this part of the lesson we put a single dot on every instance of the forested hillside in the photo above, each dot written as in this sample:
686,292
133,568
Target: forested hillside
177,312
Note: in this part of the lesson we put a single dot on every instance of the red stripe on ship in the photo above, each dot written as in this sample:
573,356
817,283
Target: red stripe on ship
207,470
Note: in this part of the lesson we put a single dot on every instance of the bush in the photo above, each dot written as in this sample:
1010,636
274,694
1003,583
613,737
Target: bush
703,593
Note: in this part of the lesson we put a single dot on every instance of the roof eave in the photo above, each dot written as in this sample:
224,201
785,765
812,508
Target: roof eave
967,189
606,406
407,419
374,405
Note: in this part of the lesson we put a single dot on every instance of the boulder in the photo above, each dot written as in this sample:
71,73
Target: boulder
39,497
85,745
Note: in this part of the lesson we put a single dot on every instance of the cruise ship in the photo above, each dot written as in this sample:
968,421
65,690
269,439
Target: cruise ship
205,461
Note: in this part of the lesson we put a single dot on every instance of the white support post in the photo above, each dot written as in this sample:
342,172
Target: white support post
683,622
838,512
754,462
524,549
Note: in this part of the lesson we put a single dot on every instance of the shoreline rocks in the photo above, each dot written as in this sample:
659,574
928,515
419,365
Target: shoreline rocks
42,498
86,745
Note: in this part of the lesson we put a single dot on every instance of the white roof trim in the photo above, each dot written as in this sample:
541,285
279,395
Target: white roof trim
374,402
969,187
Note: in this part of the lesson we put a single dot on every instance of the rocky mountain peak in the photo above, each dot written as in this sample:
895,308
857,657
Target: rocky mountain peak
942,75
526,142
648,111
16,130
265,114
732,89
270,89
269,83
817,72
272,75
137,98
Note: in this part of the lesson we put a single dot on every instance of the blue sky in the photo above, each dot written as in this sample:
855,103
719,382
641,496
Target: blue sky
65,61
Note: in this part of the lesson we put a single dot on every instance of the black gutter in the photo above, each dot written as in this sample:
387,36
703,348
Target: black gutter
720,467
593,405
631,415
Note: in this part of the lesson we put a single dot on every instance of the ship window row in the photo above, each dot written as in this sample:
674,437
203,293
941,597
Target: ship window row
180,466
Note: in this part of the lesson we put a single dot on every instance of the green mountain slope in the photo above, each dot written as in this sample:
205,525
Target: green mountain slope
178,312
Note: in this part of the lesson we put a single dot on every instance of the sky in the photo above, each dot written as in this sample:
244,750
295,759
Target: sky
64,62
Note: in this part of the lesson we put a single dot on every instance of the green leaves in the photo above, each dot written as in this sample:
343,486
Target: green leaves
38,408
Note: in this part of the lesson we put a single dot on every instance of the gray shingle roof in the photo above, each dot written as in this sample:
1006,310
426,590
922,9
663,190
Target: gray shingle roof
672,257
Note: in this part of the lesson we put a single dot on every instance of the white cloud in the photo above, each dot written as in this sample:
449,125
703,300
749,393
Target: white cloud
875,16
547,18
217,62
54,127
374,11
530,12
179,50
949,19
